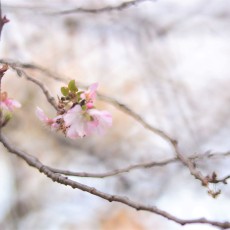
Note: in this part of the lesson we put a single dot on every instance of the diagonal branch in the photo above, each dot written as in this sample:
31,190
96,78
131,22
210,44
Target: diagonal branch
49,98
134,115
56,177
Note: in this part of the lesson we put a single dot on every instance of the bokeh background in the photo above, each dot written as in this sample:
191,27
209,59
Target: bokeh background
168,60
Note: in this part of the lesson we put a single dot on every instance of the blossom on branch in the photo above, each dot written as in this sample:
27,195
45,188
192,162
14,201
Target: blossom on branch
50,122
77,116
82,123
7,103
100,120
90,95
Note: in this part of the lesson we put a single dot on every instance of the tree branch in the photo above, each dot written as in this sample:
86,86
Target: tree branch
122,6
151,164
114,172
56,177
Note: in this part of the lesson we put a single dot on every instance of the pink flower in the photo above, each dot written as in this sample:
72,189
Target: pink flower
82,119
90,95
82,123
7,103
101,120
76,123
51,122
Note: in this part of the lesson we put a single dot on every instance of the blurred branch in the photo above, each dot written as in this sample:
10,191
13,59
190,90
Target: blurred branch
122,6
56,177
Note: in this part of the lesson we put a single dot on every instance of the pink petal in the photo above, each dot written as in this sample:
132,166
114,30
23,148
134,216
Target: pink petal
41,115
48,121
92,90
77,124
9,104
90,94
101,121
13,104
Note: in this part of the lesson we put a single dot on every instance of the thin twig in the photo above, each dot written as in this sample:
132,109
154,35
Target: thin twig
56,177
214,180
17,64
223,180
134,115
50,99
140,166
113,172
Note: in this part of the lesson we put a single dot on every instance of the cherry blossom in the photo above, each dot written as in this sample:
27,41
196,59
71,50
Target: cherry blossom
100,120
90,95
77,115
7,103
82,123
76,121
51,122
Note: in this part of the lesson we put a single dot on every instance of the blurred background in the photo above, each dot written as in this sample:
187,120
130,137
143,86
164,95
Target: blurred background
167,60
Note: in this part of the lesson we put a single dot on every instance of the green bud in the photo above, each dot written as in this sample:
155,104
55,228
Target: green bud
72,86
64,91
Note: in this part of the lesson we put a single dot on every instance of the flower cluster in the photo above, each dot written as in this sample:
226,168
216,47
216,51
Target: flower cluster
77,115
